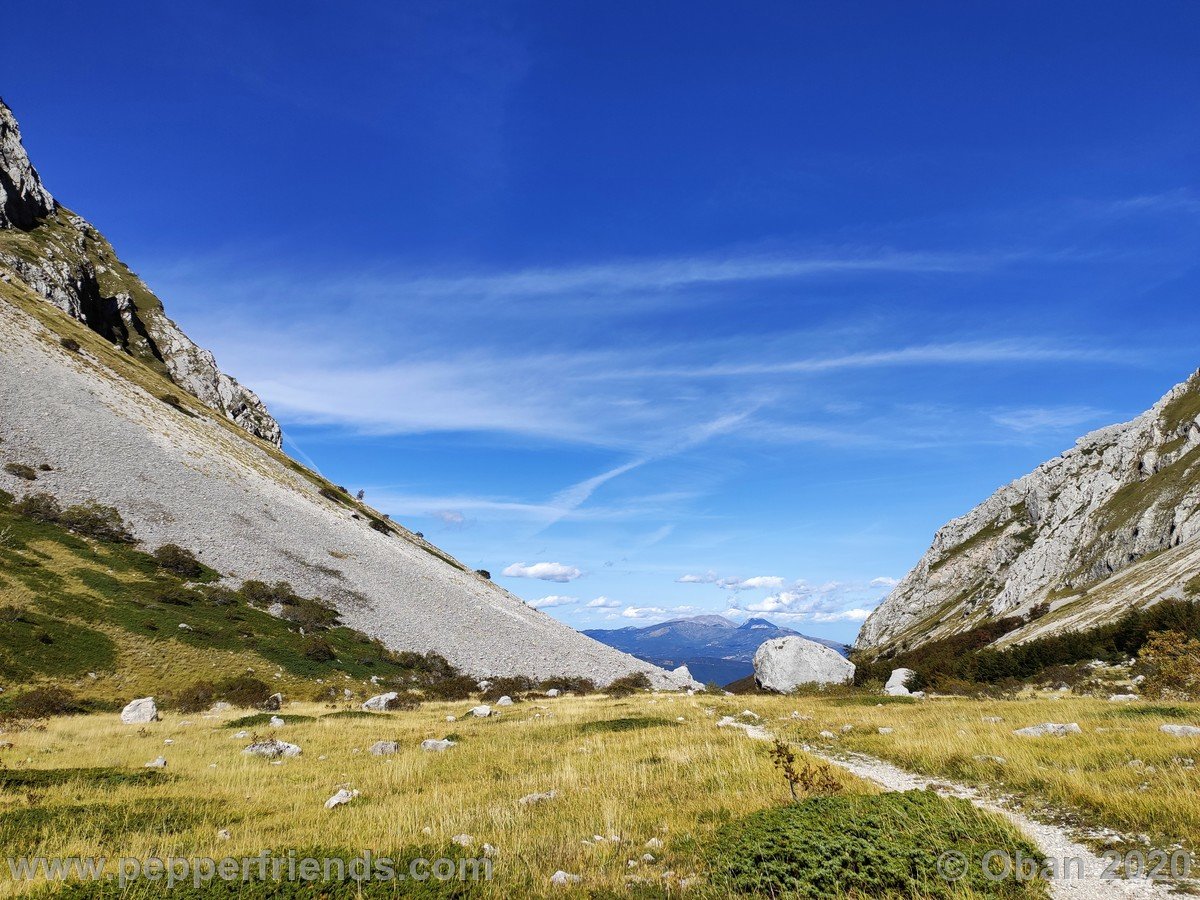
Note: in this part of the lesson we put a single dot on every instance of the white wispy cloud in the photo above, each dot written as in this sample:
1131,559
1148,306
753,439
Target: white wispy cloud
544,571
551,600
884,581
603,603
451,517
1048,418
756,582
642,612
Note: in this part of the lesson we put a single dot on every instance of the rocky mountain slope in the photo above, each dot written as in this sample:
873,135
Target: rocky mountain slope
714,648
103,399
65,260
1107,526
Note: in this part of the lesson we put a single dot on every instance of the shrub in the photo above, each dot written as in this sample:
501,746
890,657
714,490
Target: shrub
484,573
1171,663
628,684
29,473
810,777
176,595
865,846
93,520
509,686
575,684
173,401
318,649
244,690
311,615
258,593
380,525
196,698
455,687
42,703
331,494
70,344
39,507
176,559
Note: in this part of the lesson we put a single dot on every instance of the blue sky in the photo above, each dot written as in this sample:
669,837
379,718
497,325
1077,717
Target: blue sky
658,308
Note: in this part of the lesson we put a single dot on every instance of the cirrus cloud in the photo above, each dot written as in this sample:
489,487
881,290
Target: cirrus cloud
551,600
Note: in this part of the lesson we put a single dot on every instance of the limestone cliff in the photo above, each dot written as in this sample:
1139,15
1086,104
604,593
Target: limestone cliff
64,259
1108,525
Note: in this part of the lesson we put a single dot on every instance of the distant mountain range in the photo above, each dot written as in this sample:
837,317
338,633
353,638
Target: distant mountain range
713,648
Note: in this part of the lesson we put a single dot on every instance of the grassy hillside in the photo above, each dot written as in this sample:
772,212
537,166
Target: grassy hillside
108,619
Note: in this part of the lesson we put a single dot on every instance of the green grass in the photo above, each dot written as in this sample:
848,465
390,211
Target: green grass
614,726
265,719
96,777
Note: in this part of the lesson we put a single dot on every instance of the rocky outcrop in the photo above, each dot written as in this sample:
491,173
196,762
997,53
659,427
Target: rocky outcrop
783,664
140,712
23,199
68,262
1110,524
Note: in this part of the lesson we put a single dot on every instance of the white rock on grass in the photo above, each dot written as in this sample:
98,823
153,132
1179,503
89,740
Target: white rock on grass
553,692
783,664
897,683
505,701
277,722
991,720
827,735
885,730
1049,728
381,702
435,746
157,763
272,749
1122,698
561,878
140,712
341,798
463,840
1183,731
532,799
998,760
384,748
481,712
451,718
654,843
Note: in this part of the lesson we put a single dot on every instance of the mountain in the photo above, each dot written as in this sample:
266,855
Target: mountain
104,399
1109,525
712,647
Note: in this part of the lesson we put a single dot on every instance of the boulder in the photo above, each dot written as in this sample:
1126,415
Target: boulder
277,722
481,712
384,748
1180,730
562,878
1049,728
159,762
783,664
531,799
341,798
272,749
274,703
897,683
1122,698
435,746
139,712
505,701
553,692
381,702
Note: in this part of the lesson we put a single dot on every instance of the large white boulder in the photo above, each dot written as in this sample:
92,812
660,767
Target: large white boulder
783,664
139,712
1049,728
1180,730
897,683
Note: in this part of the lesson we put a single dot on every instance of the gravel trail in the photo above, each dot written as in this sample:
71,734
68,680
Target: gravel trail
1053,841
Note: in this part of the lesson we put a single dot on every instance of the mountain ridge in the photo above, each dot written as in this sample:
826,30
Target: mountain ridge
1109,525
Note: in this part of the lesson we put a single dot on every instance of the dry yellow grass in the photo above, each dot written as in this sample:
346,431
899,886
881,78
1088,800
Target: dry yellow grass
675,781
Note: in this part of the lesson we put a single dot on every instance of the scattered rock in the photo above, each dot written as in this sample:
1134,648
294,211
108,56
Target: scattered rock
341,798
219,707
991,720
531,799
451,718
381,702
783,664
140,712
481,712
1182,731
1051,728
505,701
998,760
828,735
1122,698
241,735
463,840
553,692
885,730
272,749
560,877
157,763
274,703
435,746
224,834
385,748
654,843
277,722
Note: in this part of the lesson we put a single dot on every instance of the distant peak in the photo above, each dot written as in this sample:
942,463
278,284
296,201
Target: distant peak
718,621
758,623
23,199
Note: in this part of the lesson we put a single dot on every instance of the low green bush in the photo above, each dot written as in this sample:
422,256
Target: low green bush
882,845
176,559
628,684
29,473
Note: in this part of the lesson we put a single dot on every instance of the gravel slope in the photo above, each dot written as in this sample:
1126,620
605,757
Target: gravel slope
197,482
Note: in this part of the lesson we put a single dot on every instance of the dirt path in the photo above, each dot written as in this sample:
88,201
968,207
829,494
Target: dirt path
1053,841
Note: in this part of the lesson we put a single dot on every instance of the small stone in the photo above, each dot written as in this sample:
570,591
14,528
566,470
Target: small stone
505,701
157,763
277,722
531,799
272,749
224,834
553,692
560,877
435,746
828,735
1051,728
1182,731
654,843
886,730
463,840
384,748
341,798
481,712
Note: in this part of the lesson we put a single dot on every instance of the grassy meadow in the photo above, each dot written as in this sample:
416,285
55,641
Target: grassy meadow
646,768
